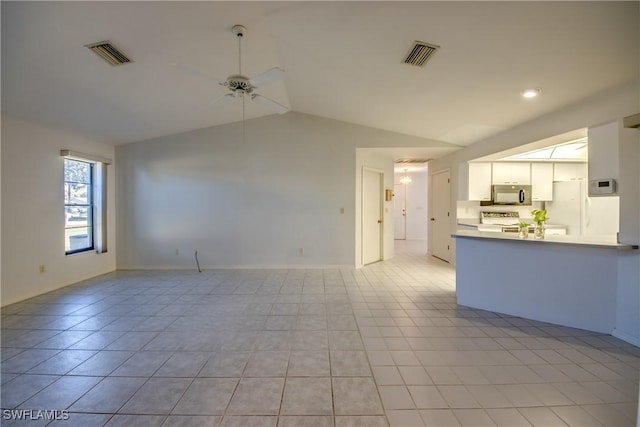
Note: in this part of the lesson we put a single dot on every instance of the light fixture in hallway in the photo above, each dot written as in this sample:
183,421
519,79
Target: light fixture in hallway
405,179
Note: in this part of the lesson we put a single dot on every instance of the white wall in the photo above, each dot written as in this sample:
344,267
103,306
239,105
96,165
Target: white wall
33,211
628,313
246,204
628,188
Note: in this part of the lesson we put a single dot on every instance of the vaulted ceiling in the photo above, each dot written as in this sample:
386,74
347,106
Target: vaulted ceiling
343,61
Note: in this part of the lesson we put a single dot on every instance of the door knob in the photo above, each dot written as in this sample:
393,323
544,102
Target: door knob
379,221
433,219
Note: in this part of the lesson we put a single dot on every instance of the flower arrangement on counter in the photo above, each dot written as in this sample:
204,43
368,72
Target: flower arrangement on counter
523,229
539,217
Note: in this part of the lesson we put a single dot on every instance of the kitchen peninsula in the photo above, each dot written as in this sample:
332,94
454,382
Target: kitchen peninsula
565,280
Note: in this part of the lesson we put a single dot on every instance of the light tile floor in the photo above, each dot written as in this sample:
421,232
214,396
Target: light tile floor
383,345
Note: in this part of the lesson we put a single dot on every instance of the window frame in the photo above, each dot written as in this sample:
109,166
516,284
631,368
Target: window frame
98,192
90,206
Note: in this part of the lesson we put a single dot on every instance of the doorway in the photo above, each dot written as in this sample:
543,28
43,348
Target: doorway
372,183
400,212
440,215
410,203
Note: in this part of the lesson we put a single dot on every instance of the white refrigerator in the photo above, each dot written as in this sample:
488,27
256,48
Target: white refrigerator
583,215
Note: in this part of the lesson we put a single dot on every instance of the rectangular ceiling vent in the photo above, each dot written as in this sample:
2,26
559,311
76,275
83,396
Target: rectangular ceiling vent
109,53
420,53
410,161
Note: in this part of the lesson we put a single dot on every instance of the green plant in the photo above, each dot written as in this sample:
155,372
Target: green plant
539,216
523,224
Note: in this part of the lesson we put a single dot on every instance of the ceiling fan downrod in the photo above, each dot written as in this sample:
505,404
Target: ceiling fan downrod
240,84
239,31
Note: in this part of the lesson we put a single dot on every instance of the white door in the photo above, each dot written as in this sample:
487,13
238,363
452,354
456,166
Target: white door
371,216
400,211
440,225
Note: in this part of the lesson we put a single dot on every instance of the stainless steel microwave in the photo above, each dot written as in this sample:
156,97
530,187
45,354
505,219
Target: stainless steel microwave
511,195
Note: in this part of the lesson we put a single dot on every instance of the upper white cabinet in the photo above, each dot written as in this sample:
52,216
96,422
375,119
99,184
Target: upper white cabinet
540,175
521,173
511,173
569,171
542,181
479,181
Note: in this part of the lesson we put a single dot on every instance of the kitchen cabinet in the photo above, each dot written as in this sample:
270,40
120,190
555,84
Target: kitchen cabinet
479,181
569,171
542,181
511,173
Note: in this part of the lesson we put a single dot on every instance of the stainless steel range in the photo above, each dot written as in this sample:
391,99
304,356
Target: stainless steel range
506,221
499,218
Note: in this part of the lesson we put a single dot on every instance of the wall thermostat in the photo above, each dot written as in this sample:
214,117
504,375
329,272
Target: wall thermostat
599,187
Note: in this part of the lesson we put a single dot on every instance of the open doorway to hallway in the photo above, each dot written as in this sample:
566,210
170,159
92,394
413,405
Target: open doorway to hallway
410,198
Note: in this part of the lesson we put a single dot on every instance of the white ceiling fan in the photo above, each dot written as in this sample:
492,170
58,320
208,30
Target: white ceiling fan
240,85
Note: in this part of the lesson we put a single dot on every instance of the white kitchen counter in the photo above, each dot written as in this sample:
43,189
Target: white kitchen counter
475,224
590,241
565,280
472,222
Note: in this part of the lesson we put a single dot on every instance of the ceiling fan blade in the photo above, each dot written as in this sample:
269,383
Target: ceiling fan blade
221,99
270,103
267,77
197,73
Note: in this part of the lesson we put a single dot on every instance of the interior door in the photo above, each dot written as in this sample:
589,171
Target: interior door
371,216
440,219
400,212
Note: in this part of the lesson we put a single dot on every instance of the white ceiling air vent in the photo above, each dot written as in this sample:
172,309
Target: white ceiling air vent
109,53
419,53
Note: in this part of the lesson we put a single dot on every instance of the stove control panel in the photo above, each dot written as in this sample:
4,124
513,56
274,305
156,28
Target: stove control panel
495,217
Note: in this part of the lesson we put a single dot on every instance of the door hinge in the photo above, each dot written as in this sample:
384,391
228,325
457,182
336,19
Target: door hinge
448,181
448,247
447,213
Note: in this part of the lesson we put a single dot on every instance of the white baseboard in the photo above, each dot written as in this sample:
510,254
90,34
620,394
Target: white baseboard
234,267
626,337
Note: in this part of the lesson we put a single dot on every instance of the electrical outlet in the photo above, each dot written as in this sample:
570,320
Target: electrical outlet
42,268
301,251
177,251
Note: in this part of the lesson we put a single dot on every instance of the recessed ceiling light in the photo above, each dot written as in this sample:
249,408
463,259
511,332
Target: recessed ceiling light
531,93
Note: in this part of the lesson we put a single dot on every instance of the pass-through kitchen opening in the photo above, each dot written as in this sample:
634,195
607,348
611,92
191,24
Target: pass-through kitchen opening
506,188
